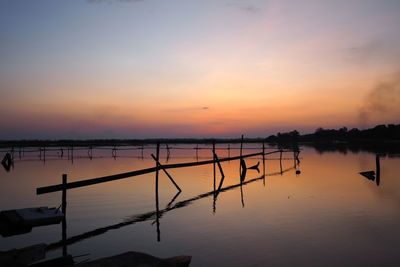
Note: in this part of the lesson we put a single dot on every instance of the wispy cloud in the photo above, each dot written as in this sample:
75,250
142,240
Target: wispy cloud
249,8
111,1
186,109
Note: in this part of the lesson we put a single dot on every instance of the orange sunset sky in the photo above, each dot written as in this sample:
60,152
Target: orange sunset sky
182,68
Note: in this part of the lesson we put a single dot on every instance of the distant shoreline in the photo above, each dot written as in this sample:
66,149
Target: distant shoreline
380,134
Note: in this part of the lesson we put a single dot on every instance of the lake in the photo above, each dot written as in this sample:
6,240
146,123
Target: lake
326,214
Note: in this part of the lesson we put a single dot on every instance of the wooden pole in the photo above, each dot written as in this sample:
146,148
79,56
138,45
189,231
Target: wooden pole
213,150
378,169
165,171
241,146
156,188
64,211
280,159
263,159
72,154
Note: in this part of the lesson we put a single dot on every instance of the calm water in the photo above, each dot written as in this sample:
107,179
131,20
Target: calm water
329,215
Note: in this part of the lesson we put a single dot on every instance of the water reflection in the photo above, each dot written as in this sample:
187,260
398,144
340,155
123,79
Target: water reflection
331,205
157,214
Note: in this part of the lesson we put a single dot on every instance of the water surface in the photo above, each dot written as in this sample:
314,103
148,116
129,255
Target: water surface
328,215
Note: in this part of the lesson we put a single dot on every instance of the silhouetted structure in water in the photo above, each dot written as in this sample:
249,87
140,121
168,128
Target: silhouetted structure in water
7,162
374,175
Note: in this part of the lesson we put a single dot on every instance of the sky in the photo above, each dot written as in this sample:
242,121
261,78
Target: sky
87,69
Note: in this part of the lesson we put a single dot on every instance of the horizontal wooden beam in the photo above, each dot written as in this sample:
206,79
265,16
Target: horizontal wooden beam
109,178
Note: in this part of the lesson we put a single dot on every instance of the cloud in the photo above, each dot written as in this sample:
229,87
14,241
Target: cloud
186,109
249,8
382,100
111,1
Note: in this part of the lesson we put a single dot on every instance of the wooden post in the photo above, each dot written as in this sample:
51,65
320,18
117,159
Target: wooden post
156,188
72,154
378,169
165,171
241,151
44,154
280,159
197,152
213,150
241,146
263,159
64,211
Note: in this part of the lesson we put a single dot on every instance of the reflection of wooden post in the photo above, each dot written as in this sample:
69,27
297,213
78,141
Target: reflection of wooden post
64,211
157,203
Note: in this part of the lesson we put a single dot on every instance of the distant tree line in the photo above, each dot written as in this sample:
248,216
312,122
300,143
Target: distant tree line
377,133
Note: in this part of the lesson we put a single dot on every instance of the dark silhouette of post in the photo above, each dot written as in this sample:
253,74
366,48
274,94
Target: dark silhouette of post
280,159
241,153
197,152
241,146
378,169
72,154
156,188
263,159
213,151
64,211
114,152
165,171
